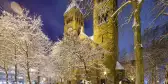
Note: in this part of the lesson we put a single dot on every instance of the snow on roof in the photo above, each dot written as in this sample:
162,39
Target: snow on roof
91,37
119,66
83,35
72,4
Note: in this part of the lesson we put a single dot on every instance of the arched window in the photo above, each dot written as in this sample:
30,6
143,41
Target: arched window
103,18
69,20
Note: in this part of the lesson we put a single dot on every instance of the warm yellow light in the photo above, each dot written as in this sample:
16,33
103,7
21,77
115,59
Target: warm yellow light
105,72
43,80
33,70
120,82
157,81
132,78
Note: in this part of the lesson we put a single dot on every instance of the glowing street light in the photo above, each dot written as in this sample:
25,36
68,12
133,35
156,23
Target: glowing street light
43,80
132,78
120,82
33,70
105,72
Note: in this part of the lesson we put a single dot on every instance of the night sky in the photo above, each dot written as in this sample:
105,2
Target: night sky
51,12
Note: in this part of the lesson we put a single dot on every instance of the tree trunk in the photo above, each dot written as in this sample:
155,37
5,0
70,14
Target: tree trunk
28,76
27,63
153,76
16,74
61,81
166,76
15,67
28,71
38,78
137,42
97,74
86,72
6,72
7,80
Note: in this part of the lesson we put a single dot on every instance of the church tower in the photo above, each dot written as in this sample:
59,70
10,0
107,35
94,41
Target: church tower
105,29
73,18
106,32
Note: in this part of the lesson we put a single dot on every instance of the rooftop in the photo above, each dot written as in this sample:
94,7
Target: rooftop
119,66
72,5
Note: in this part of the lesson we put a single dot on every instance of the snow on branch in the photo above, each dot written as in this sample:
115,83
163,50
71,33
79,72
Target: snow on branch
72,53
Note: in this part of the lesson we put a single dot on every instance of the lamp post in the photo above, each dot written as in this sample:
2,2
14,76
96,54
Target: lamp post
157,81
105,74
132,80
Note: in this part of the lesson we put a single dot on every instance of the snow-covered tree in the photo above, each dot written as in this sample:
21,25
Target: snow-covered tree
28,38
72,54
155,53
86,7
6,57
160,8
155,58
7,43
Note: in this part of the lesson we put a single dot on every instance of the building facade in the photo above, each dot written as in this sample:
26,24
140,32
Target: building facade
105,32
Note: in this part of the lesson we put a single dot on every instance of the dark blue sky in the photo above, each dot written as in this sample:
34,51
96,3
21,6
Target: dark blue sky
52,11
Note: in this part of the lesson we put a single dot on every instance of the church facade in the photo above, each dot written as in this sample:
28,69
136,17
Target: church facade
104,32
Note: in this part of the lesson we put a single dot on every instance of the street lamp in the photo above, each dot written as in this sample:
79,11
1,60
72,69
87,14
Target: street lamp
120,82
105,74
132,78
33,70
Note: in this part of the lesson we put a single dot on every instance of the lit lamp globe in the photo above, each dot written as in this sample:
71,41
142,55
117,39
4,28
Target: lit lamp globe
105,72
157,81
16,8
132,78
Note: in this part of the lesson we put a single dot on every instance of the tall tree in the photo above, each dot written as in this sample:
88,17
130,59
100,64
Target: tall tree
26,35
166,75
80,56
155,53
7,41
137,6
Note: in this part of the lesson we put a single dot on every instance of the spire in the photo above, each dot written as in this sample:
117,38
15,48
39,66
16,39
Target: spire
71,5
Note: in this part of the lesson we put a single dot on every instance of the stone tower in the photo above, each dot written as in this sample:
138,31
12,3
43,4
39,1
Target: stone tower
106,32
73,18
